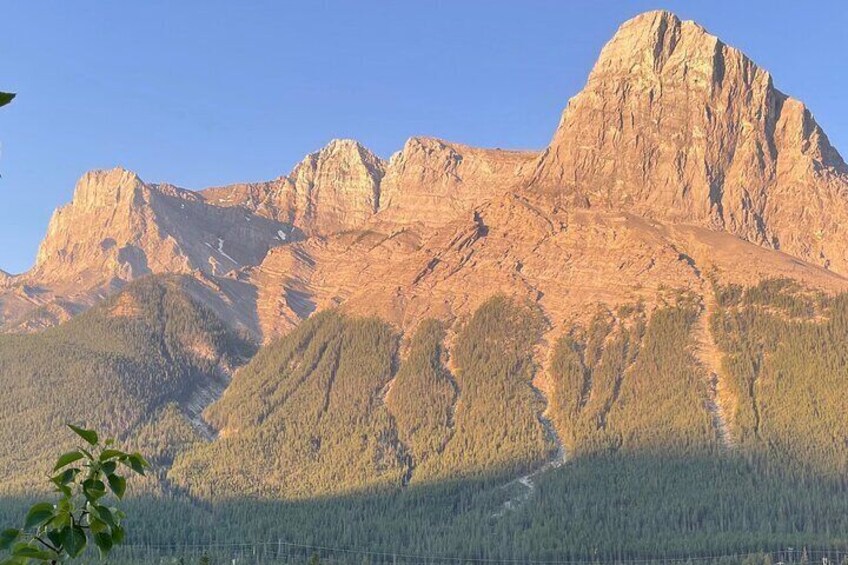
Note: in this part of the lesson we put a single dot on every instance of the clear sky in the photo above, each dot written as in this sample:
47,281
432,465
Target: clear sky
201,93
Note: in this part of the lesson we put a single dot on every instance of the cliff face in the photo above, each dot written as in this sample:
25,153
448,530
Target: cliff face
117,226
334,189
679,157
675,125
344,185
434,182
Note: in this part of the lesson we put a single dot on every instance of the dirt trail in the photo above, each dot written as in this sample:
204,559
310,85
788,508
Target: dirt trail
719,403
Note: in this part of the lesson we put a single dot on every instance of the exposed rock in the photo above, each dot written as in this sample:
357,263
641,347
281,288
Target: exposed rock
435,182
117,226
679,158
331,190
337,188
675,125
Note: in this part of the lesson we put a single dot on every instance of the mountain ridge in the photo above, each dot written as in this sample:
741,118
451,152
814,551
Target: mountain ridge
677,126
674,128
628,345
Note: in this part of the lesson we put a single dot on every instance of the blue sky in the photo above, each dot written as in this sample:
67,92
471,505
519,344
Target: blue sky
202,93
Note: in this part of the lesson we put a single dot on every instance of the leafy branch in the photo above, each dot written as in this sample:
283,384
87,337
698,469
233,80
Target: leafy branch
5,98
54,533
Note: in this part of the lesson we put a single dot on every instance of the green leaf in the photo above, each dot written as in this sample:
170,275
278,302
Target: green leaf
117,535
108,454
137,463
104,514
94,489
31,552
65,490
88,435
97,526
118,485
65,476
6,97
109,467
74,540
55,537
8,537
60,520
103,541
68,458
38,514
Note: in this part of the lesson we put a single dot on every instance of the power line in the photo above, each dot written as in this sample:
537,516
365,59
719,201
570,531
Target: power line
443,558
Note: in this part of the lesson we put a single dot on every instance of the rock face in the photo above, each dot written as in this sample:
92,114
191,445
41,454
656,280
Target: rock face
119,227
679,158
331,190
337,188
343,185
434,182
675,125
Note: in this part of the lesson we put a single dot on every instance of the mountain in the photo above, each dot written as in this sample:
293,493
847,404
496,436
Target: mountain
149,358
676,126
334,189
118,228
633,339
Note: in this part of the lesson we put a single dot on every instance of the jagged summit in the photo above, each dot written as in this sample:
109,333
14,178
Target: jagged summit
119,227
674,125
433,181
674,130
337,187
105,187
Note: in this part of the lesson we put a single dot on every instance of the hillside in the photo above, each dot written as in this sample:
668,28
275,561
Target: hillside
141,367
631,343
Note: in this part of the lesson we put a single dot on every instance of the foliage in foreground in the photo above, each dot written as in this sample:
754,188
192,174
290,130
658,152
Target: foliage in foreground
56,532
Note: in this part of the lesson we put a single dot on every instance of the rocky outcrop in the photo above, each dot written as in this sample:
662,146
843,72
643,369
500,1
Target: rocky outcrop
435,182
678,157
117,226
675,125
331,190
337,188
342,186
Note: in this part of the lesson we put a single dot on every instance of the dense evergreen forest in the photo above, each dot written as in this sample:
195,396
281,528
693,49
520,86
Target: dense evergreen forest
346,435
129,367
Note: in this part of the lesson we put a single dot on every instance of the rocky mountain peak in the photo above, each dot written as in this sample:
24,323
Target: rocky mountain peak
674,125
674,129
105,188
643,46
117,227
433,181
337,187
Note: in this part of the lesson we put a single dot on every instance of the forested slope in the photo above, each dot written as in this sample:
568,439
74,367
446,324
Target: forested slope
133,367
342,434
326,410
786,359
